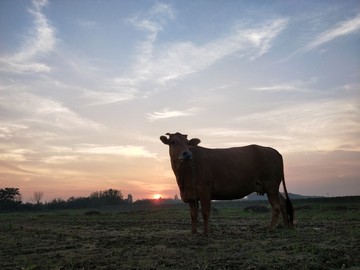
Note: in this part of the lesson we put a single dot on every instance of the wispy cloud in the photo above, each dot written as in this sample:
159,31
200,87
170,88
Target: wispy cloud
276,88
343,28
263,36
286,86
122,150
40,41
7,130
31,109
322,126
152,22
13,155
159,63
167,113
315,126
103,98
176,60
110,91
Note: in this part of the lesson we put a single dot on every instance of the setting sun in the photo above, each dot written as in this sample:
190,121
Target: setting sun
156,196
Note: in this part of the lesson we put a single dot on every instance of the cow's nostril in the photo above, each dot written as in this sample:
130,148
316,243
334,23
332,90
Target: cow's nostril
187,155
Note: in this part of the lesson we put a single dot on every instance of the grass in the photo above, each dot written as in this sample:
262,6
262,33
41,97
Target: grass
327,236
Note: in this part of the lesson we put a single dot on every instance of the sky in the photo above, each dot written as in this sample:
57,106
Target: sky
88,87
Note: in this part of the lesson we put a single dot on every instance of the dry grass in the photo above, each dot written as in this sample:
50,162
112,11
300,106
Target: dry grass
327,236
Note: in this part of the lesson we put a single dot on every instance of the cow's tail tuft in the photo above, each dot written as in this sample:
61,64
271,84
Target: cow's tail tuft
289,205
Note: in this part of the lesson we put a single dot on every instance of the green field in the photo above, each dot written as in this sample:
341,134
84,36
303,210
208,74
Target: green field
326,236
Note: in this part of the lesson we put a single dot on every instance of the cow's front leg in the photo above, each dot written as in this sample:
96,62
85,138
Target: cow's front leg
205,210
193,214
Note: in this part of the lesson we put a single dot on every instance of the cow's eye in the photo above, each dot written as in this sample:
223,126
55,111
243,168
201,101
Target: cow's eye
172,142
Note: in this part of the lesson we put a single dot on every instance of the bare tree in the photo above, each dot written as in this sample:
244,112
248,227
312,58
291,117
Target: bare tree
37,196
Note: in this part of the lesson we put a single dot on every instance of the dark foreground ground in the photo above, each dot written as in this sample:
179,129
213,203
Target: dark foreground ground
327,236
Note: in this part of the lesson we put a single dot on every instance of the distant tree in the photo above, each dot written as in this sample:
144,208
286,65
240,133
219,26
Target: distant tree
9,194
80,202
107,197
10,198
113,196
58,203
144,202
96,199
38,195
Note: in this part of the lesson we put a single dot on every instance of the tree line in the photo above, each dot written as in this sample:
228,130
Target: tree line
11,200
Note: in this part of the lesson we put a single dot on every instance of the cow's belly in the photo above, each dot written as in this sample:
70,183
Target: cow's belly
233,189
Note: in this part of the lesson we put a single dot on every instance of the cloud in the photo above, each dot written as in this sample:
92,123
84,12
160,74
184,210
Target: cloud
159,63
14,156
231,137
40,42
323,125
176,60
110,91
61,159
341,29
7,130
262,37
103,98
127,150
286,86
152,22
166,113
32,109
277,87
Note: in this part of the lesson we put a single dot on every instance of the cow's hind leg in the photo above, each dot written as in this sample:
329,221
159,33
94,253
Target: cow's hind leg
274,199
284,212
194,206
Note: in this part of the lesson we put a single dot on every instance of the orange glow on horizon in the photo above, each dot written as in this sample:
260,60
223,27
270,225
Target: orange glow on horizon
156,196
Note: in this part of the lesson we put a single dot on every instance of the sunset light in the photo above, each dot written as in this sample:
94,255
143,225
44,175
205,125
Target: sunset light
156,196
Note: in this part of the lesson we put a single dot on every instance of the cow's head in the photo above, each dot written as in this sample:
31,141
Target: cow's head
179,146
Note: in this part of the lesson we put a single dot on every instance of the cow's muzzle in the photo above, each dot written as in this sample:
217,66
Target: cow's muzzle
185,156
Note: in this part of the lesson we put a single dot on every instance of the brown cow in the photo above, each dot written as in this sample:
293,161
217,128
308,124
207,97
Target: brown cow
225,174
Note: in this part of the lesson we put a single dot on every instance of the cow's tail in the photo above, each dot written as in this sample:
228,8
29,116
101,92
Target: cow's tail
289,206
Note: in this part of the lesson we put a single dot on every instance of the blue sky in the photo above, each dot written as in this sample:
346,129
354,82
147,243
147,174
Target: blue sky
87,88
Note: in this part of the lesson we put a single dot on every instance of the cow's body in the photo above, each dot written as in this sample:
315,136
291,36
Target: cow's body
226,174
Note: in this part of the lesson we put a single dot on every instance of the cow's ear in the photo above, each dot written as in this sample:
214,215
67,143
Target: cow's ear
194,142
164,139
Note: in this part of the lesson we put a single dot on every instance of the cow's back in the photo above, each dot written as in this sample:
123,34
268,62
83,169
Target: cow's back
233,173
